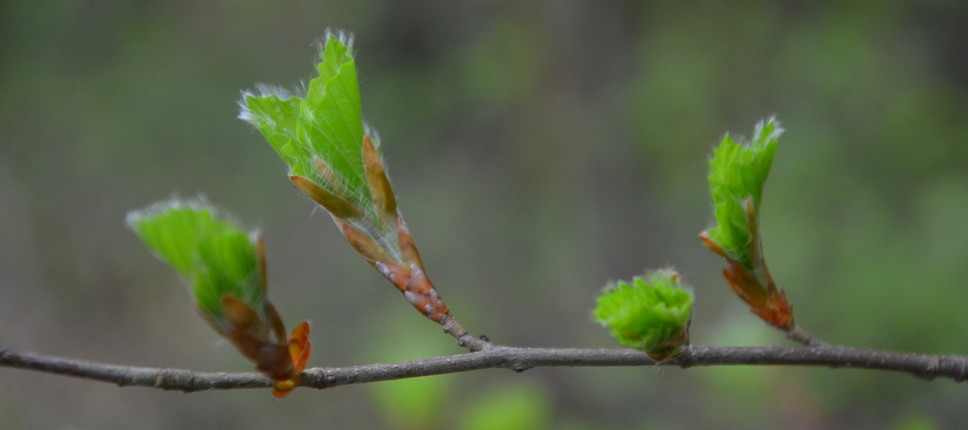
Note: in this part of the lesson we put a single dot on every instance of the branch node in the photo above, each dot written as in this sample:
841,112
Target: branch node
798,334
173,379
519,367
963,371
931,370
314,378
684,360
474,344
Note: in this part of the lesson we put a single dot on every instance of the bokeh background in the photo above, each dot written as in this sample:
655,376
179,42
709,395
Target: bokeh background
539,149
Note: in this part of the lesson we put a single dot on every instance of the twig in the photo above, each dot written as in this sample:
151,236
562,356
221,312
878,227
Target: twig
518,359
798,334
464,338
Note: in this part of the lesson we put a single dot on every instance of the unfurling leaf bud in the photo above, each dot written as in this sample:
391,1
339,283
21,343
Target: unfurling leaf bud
335,160
651,314
737,173
225,270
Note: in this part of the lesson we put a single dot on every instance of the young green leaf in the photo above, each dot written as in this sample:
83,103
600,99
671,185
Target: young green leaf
651,314
323,126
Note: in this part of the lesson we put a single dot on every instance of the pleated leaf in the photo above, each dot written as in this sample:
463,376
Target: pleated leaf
737,172
319,134
650,313
214,256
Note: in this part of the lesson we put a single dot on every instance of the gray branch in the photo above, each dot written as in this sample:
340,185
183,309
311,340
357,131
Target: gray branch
518,359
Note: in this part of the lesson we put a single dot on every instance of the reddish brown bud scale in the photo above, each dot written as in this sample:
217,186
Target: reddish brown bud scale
336,205
754,285
265,344
712,245
780,311
363,243
423,296
299,349
397,275
260,248
299,346
376,178
406,272
408,251
766,301
416,287
274,361
745,285
378,233
278,329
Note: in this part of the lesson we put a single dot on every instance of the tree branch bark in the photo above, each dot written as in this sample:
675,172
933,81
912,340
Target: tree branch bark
518,359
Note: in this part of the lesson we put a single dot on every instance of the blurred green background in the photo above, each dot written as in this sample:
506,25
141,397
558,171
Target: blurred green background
539,149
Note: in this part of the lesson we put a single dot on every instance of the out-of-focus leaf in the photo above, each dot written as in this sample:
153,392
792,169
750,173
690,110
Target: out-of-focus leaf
414,403
516,407
214,256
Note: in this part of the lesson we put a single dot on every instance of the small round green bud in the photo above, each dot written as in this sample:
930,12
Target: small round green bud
651,313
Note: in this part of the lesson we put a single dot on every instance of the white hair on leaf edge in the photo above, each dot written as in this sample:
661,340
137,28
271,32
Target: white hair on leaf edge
199,202
345,37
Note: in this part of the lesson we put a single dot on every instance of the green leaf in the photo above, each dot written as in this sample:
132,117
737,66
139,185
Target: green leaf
510,408
214,256
737,172
412,403
275,114
324,125
650,314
